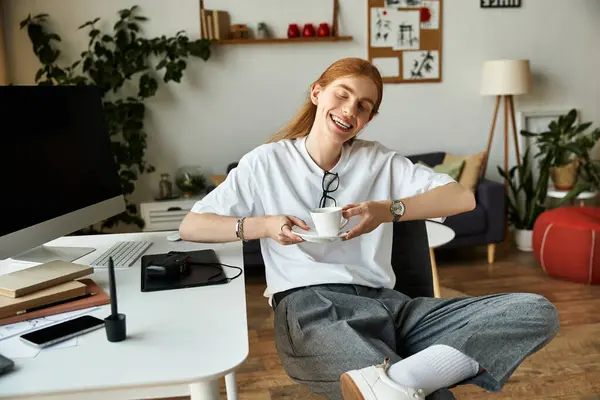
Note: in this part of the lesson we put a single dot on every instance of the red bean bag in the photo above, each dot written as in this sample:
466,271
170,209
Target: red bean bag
566,243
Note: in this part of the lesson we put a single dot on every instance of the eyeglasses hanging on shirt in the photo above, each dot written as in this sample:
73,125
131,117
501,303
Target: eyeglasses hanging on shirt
329,184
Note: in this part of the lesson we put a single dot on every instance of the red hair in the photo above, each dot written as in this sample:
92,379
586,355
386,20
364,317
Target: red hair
301,124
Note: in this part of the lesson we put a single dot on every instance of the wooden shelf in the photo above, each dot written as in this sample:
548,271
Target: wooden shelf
285,40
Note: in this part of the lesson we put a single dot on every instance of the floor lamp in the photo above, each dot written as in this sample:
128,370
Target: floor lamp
505,79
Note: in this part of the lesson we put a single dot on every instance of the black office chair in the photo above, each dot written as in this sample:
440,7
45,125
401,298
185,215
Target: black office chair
410,259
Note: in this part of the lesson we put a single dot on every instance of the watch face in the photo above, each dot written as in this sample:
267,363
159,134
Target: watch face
398,208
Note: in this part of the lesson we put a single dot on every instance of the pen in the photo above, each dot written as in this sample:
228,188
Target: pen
116,330
113,289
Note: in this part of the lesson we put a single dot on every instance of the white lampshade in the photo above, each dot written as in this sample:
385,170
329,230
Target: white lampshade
504,77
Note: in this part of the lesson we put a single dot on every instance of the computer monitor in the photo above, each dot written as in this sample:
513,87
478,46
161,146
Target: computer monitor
59,174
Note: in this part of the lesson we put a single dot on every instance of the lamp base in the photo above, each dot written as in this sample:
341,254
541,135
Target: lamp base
509,112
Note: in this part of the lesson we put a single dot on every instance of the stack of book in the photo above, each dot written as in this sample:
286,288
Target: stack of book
214,24
47,289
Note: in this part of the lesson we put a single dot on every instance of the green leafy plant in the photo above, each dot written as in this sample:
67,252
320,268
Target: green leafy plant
565,141
527,196
126,67
555,142
190,183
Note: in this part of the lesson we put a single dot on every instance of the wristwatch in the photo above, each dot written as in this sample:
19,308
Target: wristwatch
397,208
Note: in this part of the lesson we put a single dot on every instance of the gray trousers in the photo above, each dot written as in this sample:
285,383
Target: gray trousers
322,331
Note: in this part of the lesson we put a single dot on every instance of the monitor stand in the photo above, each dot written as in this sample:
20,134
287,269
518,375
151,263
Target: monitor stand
43,254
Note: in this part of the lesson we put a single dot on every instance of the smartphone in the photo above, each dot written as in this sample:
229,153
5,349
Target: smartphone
62,331
6,364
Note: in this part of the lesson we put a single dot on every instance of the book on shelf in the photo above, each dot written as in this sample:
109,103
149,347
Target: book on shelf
215,24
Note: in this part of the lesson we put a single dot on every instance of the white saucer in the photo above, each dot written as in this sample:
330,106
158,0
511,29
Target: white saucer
312,236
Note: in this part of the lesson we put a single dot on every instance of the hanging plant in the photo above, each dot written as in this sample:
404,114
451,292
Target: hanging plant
125,66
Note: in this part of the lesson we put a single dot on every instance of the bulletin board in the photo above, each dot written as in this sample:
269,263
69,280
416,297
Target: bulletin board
405,39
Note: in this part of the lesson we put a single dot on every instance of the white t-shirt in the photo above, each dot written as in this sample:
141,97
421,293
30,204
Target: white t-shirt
282,178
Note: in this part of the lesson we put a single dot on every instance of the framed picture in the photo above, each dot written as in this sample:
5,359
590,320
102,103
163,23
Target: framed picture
536,121
500,3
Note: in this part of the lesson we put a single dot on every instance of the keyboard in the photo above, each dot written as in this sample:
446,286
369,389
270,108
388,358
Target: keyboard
124,254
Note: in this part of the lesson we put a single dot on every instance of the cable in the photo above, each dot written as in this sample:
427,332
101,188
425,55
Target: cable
227,280
219,273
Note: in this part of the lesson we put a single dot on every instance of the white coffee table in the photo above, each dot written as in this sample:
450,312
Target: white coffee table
437,234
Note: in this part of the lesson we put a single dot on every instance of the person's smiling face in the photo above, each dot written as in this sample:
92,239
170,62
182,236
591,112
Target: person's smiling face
344,107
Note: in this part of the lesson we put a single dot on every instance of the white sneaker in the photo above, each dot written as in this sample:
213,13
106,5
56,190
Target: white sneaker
373,383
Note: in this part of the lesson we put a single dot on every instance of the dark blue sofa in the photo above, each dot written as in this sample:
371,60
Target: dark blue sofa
482,226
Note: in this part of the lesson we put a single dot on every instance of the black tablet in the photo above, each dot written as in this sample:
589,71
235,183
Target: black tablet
204,269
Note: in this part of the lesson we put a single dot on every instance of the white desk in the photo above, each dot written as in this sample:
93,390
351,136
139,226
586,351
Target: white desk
179,342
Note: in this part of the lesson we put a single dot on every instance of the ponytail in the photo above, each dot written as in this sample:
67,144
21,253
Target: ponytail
299,126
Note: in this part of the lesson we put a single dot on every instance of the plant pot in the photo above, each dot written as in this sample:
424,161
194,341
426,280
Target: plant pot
523,238
262,34
565,176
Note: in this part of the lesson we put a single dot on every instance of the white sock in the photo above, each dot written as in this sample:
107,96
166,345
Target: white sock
436,367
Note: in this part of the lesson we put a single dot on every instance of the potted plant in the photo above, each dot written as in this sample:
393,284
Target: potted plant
564,148
262,31
127,67
526,199
589,170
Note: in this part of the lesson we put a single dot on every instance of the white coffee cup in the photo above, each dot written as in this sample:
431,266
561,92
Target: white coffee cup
328,220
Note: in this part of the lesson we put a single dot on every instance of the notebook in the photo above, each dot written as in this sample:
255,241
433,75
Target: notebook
205,269
94,296
10,306
42,276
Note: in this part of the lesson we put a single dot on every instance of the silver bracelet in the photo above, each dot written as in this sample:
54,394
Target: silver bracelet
239,229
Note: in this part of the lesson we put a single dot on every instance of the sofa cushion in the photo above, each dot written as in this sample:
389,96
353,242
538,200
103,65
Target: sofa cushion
469,223
470,173
428,158
453,169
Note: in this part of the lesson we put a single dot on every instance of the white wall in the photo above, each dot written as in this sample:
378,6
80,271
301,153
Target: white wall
237,99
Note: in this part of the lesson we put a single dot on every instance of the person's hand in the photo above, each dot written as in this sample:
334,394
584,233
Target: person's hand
279,228
371,213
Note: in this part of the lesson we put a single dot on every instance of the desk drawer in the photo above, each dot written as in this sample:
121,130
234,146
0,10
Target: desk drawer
165,216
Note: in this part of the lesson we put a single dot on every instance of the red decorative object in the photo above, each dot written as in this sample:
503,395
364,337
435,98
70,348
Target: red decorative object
309,30
293,31
323,30
566,243
425,14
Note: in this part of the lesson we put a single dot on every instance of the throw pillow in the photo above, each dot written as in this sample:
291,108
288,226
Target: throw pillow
453,169
470,173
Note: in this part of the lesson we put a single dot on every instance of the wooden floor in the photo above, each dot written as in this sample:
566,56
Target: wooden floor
568,368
